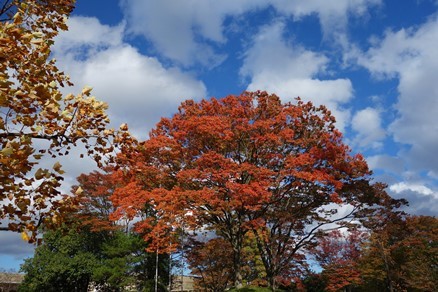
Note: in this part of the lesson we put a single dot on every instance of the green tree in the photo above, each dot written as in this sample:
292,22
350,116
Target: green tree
71,259
64,262
125,263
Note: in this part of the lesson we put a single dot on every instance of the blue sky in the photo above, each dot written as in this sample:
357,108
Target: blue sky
372,62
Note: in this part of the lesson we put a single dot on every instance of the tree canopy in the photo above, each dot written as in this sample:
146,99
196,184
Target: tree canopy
245,163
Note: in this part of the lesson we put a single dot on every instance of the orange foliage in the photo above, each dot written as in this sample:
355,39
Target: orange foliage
239,164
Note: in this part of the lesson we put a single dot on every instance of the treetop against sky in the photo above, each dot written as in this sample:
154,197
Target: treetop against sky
371,62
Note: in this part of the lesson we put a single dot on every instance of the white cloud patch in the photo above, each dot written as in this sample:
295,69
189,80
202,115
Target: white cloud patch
290,71
367,124
411,56
423,200
181,30
174,26
87,36
138,89
417,188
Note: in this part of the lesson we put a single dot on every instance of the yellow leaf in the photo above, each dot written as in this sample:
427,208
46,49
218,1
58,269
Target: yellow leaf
124,127
69,97
3,100
79,191
55,219
65,113
38,34
87,90
36,41
7,151
39,174
25,236
57,167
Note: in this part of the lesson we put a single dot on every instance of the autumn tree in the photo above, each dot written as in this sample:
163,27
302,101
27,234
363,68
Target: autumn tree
36,119
294,221
123,259
241,164
402,254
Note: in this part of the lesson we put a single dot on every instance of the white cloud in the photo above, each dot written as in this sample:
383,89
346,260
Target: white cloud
411,56
138,89
367,124
291,71
422,199
179,29
87,36
174,26
417,188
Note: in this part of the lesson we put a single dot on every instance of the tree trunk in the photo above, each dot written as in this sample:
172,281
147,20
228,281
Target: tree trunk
237,266
271,280
390,286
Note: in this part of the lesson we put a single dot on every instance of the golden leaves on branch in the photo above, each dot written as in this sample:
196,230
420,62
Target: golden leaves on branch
33,108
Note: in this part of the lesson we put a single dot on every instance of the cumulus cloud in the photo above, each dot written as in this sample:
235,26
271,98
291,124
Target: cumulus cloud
422,199
290,71
403,186
410,56
184,31
174,26
367,124
138,88
85,35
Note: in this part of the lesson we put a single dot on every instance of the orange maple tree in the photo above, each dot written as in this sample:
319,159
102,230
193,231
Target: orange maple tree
240,164
36,119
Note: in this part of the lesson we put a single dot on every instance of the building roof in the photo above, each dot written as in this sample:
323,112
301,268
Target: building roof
11,278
